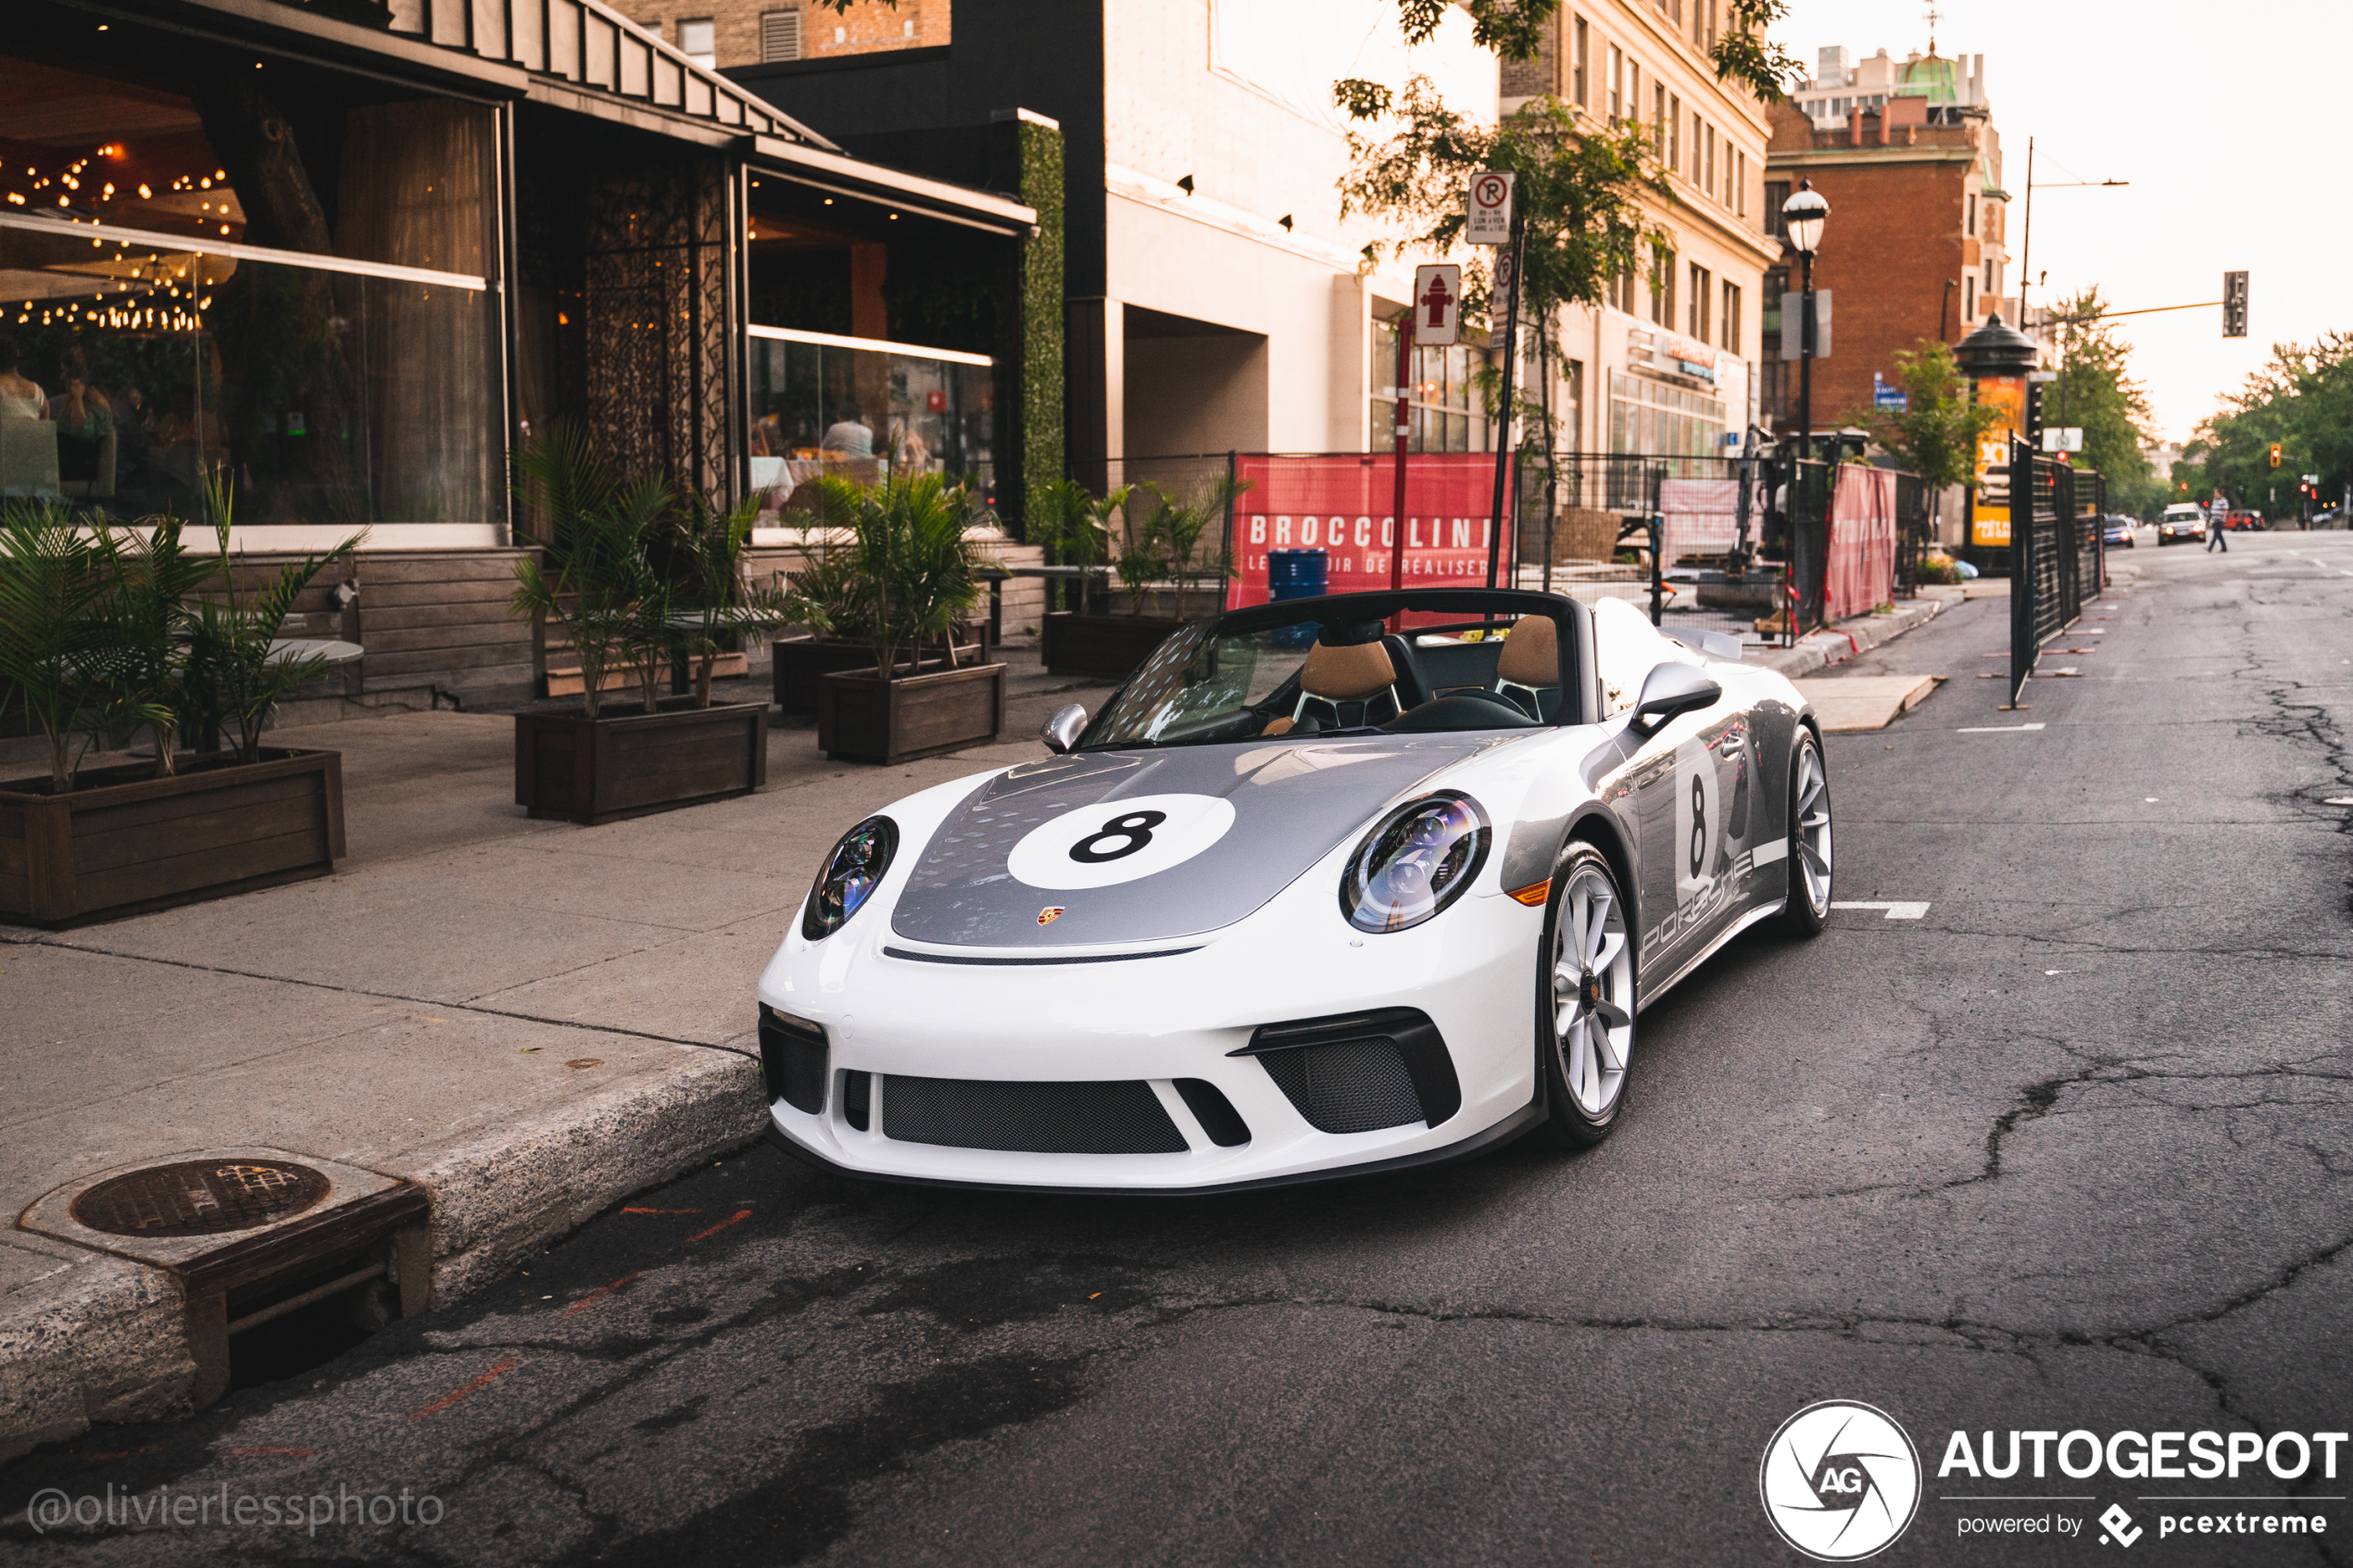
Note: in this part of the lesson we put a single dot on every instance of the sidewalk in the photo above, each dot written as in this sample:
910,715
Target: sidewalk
531,1020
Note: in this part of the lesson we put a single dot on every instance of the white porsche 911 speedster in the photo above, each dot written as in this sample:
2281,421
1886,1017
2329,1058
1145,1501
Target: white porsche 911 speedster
1331,885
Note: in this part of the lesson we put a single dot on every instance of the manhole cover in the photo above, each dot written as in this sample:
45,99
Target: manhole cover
200,1198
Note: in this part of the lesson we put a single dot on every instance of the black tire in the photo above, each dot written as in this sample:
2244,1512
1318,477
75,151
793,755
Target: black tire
1572,1126
1804,914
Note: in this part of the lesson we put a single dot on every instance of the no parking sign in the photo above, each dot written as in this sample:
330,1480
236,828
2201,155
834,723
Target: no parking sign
1491,208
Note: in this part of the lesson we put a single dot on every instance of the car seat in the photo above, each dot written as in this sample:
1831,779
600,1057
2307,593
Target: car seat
1528,669
1351,683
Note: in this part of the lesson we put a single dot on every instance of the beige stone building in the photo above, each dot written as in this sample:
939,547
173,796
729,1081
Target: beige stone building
726,33
1668,364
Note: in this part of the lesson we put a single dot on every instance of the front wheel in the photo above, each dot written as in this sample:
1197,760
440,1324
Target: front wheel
1585,998
1809,839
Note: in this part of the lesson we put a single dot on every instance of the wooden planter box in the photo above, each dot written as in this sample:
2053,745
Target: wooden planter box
799,665
864,719
120,845
571,682
1110,646
627,763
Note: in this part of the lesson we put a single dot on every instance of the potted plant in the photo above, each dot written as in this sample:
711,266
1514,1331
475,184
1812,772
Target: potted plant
98,631
1160,544
830,583
605,583
916,573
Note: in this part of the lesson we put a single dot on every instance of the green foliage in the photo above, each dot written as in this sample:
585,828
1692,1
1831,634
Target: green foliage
598,581
2301,399
1581,192
1171,538
1936,434
52,579
1074,525
235,677
148,678
1042,312
913,569
1743,54
2095,391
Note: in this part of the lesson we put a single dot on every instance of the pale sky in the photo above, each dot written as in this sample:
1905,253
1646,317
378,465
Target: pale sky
2228,120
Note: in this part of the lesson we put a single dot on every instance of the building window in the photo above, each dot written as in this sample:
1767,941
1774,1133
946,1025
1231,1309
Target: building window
1576,67
1663,288
1707,180
1447,412
1711,23
1740,185
1651,417
1703,292
780,35
698,40
1972,216
1675,133
1616,84
1732,317
1776,193
1659,121
1969,299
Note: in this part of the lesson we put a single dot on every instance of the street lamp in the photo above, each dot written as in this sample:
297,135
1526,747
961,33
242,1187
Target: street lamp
1803,216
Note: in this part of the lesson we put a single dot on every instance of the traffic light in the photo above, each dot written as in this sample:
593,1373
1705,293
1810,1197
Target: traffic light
2034,431
2275,454
2233,304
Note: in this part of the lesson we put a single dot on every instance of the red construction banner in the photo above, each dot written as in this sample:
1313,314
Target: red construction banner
1342,503
1860,574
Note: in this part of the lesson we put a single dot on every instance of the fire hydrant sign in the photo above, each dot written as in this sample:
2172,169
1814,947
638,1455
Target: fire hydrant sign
1438,304
1491,208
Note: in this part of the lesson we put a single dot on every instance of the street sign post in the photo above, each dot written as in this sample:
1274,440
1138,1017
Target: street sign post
1792,317
2062,438
2233,304
1490,208
1437,305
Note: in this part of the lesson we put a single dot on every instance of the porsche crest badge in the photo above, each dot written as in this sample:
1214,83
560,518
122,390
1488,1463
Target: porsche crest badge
1050,914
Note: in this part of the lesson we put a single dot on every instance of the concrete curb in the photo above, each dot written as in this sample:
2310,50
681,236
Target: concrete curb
1850,638
99,1338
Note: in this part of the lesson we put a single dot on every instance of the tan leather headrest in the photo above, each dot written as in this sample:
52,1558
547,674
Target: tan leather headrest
1532,653
1346,674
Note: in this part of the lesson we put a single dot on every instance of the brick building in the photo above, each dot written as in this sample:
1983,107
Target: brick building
722,34
1914,245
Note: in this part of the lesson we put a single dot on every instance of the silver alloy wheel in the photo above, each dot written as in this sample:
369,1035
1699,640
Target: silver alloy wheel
1593,987
1813,811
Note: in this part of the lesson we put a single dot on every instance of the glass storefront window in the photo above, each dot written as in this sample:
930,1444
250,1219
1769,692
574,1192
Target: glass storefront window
322,331
862,411
1650,417
1446,411
326,396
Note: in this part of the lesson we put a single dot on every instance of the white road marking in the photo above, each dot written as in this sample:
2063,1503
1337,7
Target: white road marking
1894,912
2339,800
1996,729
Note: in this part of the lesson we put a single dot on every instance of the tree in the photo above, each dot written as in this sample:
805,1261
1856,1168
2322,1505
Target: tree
1935,436
1515,30
2301,399
2096,392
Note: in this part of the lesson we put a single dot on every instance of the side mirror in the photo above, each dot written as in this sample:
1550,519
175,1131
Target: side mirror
1061,731
1671,689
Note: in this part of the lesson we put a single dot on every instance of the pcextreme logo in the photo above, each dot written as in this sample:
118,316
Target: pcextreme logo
1840,1481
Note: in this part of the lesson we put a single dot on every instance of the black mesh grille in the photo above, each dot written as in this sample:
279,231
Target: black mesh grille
1348,1086
1101,1118
792,1060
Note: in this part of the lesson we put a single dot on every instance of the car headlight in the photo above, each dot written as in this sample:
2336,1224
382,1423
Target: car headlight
1415,861
849,876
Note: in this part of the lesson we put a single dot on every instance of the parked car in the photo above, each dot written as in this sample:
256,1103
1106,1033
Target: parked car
2242,523
1309,896
2118,530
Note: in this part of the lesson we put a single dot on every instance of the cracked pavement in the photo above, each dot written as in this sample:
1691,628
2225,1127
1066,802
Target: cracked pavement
2072,1152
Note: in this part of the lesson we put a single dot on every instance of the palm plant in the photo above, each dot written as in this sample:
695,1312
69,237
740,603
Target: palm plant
1175,528
52,579
598,583
1074,526
139,625
916,569
235,675
709,587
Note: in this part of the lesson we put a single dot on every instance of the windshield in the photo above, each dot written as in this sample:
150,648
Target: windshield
1213,681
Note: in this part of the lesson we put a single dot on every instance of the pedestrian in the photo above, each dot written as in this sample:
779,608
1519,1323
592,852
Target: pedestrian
2214,531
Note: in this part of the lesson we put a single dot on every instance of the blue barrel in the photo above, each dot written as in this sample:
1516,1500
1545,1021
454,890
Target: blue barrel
1297,574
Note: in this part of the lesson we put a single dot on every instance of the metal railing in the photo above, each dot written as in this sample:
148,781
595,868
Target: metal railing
2056,560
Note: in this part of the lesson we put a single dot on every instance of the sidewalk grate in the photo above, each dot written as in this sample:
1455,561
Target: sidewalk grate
199,1198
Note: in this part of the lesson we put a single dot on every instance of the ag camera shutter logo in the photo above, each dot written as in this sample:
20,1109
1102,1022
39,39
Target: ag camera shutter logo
1840,1481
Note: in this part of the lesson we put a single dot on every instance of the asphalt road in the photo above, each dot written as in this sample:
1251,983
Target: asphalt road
2069,1152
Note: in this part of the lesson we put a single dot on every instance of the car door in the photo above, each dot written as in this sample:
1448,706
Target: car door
1692,784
